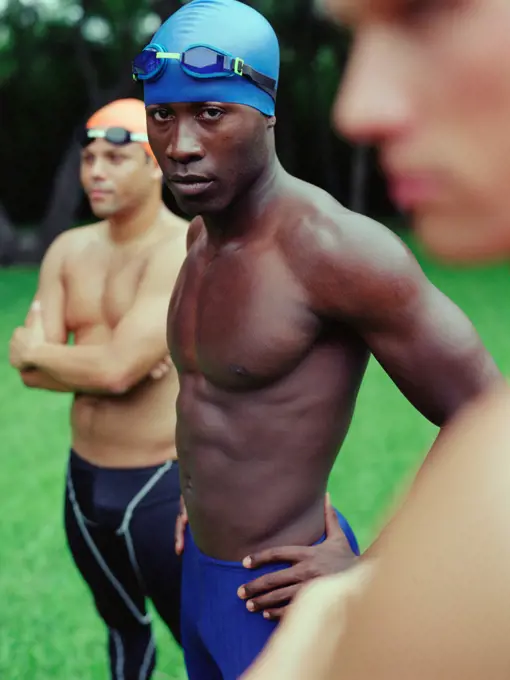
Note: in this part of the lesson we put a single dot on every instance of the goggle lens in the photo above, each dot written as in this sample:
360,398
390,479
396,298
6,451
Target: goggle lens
204,61
146,62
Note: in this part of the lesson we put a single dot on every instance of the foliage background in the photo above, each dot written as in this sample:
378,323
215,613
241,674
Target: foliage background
60,60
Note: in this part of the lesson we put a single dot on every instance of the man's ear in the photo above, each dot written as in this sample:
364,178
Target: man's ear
271,122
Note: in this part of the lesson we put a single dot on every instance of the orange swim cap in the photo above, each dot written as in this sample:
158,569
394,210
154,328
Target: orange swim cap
126,113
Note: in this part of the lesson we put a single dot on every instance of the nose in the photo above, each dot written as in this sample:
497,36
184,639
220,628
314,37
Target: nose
97,169
185,146
373,103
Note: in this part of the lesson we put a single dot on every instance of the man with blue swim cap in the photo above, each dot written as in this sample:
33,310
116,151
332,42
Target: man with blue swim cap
283,295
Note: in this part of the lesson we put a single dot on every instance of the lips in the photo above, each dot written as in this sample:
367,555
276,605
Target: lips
411,191
190,185
411,185
98,194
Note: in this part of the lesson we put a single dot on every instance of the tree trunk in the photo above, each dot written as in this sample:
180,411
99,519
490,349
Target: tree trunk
8,240
65,196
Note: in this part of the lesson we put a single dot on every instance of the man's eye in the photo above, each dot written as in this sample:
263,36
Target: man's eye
160,115
211,113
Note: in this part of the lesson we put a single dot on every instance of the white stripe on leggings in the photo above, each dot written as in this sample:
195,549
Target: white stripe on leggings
143,619
149,653
119,655
123,530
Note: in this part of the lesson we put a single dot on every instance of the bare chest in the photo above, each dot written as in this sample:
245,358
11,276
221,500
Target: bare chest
241,320
101,286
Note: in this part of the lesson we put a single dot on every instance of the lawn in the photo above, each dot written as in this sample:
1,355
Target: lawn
48,628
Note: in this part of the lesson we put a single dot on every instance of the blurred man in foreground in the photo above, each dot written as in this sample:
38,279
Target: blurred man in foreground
429,83
109,284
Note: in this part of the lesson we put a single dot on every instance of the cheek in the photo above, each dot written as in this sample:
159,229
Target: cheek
128,179
465,104
84,175
242,157
468,238
467,58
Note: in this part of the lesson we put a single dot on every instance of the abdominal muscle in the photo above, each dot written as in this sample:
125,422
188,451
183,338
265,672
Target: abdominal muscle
136,429
255,466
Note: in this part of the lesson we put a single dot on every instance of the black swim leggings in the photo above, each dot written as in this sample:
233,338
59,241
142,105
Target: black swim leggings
120,529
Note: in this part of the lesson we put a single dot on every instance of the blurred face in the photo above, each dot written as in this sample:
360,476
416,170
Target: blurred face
117,179
428,82
209,153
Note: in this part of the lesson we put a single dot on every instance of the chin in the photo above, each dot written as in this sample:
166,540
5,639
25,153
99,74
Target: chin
201,205
102,213
464,239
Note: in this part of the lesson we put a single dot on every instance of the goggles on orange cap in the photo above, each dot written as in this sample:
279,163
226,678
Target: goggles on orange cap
114,135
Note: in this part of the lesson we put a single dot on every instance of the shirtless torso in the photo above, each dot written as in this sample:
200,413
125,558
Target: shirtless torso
89,286
136,428
271,333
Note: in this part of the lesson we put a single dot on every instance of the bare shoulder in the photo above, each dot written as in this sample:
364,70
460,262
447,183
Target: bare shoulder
333,249
72,241
332,233
168,252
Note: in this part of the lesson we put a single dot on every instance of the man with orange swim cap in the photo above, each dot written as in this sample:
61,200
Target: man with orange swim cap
109,284
123,114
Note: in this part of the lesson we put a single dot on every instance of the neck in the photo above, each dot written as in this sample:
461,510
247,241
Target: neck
243,213
131,225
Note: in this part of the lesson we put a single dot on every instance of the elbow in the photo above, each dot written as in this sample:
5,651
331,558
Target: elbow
117,381
117,374
28,378
492,377
484,377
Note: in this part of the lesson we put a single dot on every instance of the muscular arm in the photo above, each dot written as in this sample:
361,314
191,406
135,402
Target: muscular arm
137,343
50,293
359,275
423,341
41,381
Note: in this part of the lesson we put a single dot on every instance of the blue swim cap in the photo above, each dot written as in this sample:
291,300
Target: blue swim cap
229,26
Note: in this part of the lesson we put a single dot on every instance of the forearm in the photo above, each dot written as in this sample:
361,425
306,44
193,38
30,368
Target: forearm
85,368
37,379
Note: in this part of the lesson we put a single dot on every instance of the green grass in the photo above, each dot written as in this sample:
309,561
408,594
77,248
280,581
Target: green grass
48,628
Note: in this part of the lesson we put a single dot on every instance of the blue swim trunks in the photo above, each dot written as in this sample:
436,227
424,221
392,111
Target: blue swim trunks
220,637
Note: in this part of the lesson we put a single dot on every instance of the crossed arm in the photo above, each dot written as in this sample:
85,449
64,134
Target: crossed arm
136,345
50,293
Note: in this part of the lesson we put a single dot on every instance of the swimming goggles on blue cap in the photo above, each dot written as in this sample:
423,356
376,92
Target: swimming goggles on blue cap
198,61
